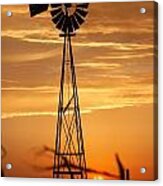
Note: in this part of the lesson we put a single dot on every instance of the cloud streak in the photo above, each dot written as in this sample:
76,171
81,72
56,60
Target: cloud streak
12,115
49,37
108,98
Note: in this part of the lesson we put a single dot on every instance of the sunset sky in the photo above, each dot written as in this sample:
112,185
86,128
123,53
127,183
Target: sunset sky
113,52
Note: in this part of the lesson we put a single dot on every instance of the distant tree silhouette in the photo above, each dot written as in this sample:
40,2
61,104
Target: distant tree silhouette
124,174
3,155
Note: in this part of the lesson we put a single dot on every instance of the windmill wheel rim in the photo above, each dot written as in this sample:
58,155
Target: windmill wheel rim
66,20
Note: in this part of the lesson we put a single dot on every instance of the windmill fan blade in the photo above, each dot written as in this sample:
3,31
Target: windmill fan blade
74,22
82,12
61,22
37,9
78,18
70,25
64,27
56,11
57,17
83,5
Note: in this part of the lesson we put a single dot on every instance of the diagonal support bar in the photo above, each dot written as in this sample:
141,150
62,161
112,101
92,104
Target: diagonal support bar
68,104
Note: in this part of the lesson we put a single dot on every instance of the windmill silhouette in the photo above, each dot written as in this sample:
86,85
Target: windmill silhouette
69,142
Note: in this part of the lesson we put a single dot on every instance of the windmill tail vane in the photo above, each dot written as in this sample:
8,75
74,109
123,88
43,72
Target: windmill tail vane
69,141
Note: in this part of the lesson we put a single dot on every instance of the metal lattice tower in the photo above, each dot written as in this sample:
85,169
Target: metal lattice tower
69,158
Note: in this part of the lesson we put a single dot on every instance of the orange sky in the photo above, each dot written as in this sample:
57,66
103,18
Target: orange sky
114,62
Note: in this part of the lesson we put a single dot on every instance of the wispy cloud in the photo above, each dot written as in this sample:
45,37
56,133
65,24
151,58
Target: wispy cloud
26,114
99,65
34,114
108,98
48,37
9,81
30,56
129,56
39,88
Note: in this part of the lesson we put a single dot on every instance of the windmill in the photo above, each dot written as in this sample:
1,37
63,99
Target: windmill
69,142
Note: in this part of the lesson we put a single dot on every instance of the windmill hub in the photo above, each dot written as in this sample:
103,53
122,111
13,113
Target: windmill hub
69,9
